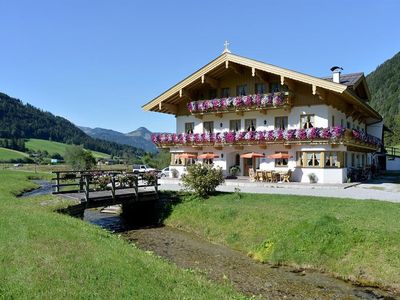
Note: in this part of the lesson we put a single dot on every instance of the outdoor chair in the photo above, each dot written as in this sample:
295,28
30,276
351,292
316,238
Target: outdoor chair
252,175
269,176
286,177
260,176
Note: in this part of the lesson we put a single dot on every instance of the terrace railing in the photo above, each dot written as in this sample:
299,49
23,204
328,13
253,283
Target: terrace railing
332,135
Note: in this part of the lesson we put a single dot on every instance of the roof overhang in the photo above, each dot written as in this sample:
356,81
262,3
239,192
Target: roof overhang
160,103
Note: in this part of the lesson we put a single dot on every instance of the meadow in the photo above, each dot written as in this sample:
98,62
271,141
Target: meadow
46,255
355,240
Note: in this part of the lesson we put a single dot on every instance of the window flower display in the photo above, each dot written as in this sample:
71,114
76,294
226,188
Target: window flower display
335,133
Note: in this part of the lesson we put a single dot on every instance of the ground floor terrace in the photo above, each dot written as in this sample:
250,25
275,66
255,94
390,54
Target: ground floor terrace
302,163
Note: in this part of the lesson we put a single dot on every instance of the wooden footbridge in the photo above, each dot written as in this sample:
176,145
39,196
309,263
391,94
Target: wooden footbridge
104,188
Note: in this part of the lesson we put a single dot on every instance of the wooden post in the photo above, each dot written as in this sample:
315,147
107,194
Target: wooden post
80,182
113,186
156,183
57,182
87,188
136,182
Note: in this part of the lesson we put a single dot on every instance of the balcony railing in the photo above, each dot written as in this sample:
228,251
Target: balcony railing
240,103
332,135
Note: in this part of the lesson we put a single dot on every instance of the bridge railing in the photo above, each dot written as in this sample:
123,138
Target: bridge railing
91,181
392,151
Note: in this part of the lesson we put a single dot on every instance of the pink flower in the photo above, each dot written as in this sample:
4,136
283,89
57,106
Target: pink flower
248,101
325,133
301,134
311,133
230,137
238,101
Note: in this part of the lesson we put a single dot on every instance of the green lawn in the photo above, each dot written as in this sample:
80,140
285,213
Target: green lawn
350,238
55,147
45,255
8,154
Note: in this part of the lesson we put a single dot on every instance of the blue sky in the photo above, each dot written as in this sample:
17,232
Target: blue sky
97,62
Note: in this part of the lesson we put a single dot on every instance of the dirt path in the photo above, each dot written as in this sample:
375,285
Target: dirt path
249,277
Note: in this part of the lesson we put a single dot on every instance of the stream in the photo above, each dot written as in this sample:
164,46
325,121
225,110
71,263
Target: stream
221,264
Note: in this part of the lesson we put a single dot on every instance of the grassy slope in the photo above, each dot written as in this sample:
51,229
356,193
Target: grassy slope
8,154
353,239
46,255
54,147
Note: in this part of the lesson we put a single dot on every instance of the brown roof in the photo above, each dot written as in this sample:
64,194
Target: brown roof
347,79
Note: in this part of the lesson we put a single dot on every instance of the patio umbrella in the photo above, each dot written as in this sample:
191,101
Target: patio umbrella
280,155
208,156
186,155
251,155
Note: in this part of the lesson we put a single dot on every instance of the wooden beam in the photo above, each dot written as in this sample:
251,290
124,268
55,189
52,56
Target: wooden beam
282,80
314,89
262,76
172,108
214,83
236,68
291,84
253,71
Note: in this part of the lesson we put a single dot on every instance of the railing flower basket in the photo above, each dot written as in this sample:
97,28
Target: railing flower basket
258,101
333,134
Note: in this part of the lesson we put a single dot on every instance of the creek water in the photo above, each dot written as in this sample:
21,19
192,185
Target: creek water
222,264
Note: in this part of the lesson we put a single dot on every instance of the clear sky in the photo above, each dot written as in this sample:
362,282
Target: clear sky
97,62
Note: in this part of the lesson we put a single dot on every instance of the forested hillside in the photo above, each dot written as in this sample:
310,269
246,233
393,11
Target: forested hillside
18,120
384,84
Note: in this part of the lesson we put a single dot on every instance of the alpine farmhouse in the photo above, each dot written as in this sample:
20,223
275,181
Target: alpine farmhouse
291,121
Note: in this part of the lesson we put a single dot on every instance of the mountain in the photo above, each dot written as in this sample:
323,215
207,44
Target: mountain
19,120
384,84
140,137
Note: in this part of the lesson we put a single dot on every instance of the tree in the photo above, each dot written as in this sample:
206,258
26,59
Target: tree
79,158
202,179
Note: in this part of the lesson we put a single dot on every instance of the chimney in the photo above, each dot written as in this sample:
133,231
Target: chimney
336,73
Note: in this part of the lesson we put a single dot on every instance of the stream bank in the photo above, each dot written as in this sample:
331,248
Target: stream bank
222,264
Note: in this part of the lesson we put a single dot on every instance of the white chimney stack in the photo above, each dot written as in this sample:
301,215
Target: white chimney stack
336,74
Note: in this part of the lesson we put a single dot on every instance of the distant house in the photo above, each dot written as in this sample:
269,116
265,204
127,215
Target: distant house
236,105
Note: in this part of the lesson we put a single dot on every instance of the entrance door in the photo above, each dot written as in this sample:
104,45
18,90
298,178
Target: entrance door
247,164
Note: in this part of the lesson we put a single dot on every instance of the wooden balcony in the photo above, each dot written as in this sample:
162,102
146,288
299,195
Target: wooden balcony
241,104
331,135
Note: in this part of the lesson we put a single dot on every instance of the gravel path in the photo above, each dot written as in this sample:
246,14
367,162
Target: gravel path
352,192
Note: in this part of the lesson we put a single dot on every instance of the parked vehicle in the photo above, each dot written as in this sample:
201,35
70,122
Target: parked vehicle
142,169
164,172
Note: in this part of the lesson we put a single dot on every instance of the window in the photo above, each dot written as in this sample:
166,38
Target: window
177,161
235,125
250,124
333,121
321,159
306,121
331,159
277,87
352,160
241,90
189,127
281,122
299,159
208,126
212,93
348,124
341,123
225,92
260,88
313,159
281,162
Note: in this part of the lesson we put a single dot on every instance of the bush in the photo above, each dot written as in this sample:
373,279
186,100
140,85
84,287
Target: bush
202,179
79,159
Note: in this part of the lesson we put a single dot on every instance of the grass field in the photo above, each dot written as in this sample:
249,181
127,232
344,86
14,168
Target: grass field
45,255
8,154
357,240
55,147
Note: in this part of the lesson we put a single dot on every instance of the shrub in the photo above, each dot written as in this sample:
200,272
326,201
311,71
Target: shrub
202,179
